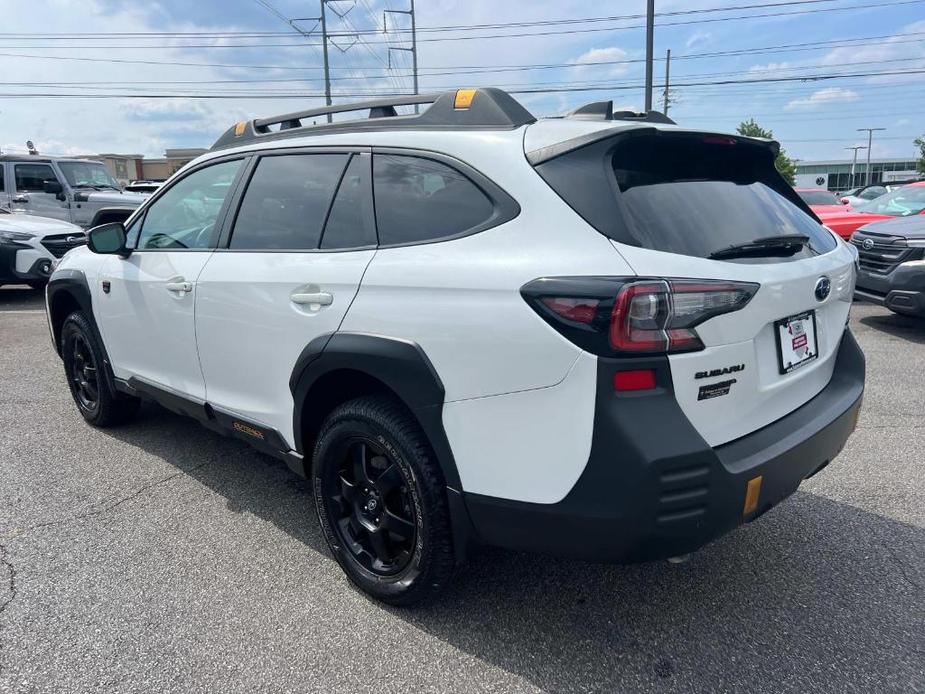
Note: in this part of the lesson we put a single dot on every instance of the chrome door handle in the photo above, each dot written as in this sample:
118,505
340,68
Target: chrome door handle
21,198
318,298
179,286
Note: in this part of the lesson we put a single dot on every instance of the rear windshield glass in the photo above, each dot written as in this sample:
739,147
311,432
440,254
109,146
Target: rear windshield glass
818,197
694,197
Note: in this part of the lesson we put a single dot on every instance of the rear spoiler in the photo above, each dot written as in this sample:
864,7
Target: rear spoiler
544,154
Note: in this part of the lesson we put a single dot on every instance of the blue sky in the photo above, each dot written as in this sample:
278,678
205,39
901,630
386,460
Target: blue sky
813,120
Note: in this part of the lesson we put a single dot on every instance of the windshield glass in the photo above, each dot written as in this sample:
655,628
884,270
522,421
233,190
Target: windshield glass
691,196
902,202
82,173
818,197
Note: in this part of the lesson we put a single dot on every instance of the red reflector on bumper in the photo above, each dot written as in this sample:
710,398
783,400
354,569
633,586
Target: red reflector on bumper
642,379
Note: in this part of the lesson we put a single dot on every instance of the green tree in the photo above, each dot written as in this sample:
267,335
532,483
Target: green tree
920,143
784,164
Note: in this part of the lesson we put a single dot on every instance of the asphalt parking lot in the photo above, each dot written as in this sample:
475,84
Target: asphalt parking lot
161,557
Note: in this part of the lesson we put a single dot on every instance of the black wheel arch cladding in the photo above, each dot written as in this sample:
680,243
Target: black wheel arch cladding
401,366
68,291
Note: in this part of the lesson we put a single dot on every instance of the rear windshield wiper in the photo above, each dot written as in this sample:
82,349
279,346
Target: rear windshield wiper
783,246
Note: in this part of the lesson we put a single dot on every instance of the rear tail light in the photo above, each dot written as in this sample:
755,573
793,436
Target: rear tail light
660,316
630,316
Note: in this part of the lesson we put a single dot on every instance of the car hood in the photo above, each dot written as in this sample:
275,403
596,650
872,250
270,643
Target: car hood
37,225
111,197
905,227
844,215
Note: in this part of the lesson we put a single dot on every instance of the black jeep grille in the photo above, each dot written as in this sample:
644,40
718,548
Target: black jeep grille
60,244
881,254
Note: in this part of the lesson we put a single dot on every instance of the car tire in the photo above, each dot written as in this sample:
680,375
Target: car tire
381,501
84,365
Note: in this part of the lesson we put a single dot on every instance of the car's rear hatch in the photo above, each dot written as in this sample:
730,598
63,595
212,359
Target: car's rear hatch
669,199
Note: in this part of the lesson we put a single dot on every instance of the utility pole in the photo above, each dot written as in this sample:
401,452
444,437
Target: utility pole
650,39
854,161
870,141
324,48
414,43
667,74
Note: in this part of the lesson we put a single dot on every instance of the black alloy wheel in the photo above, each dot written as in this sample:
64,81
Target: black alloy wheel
381,500
85,374
84,365
371,508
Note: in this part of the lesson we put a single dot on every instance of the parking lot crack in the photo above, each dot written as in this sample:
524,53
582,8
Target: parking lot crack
10,591
112,505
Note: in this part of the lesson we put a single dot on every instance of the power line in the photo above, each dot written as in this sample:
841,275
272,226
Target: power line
132,35
530,90
479,69
470,37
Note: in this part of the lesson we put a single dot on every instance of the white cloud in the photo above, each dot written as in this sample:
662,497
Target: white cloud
823,97
589,59
698,38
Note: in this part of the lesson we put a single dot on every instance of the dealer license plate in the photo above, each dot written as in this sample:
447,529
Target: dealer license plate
796,341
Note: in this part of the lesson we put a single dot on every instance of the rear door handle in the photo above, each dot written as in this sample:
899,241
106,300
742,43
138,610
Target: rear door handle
181,286
318,298
21,199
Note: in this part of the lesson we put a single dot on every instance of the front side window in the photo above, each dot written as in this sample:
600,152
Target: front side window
30,178
286,202
185,216
82,174
419,200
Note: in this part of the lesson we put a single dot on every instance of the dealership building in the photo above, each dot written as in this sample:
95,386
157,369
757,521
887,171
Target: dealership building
835,174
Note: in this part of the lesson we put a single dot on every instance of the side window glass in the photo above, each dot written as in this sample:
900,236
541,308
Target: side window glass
421,199
185,216
286,202
349,221
30,178
2,189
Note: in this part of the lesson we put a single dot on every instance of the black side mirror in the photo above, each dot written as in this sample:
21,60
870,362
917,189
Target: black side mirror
53,187
108,239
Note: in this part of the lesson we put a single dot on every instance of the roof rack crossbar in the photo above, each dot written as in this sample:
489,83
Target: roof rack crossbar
263,124
464,109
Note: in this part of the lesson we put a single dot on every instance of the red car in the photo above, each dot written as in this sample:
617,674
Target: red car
821,200
902,202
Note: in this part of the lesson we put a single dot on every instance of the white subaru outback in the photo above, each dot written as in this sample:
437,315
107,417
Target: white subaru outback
602,336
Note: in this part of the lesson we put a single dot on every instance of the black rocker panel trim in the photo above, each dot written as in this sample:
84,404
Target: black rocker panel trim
265,439
402,366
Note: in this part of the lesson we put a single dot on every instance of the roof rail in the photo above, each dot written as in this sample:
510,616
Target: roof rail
603,110
463,109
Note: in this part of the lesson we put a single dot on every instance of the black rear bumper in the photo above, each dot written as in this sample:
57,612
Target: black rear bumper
653,488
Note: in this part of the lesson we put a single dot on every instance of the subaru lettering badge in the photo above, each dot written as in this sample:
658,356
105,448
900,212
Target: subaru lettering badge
868,244
823,287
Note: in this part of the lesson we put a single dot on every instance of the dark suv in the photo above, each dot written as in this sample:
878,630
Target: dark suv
892,257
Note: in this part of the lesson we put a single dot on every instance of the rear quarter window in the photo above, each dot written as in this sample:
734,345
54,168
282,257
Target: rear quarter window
420,199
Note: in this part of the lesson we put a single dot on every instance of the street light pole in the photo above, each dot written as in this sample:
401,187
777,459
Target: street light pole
870,140
854,161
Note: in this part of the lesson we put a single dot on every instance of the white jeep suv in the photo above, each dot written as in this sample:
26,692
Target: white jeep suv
603,335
